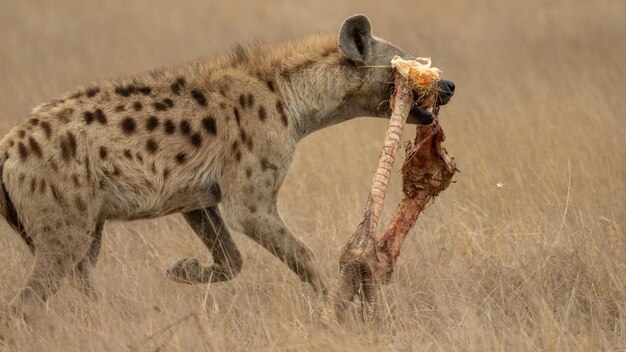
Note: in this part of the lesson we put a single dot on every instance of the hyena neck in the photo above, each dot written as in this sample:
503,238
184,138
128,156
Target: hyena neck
314,83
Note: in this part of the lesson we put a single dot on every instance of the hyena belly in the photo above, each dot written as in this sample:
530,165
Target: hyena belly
155,175
155,194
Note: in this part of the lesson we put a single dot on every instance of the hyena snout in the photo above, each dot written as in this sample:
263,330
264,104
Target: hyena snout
421,115
446,91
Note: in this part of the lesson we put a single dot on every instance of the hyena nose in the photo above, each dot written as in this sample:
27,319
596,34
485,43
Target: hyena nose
446,91
450,86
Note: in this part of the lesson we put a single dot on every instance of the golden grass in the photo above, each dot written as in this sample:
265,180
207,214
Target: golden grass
539,264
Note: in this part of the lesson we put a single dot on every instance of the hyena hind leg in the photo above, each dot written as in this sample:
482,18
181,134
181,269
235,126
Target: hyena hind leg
81,276
58,253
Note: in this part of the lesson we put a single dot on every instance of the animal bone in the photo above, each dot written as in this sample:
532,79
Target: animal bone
367,260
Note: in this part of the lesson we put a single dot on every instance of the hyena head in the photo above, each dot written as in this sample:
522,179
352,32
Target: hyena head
372,57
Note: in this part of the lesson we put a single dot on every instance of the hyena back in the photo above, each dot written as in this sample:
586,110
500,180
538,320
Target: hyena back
183,140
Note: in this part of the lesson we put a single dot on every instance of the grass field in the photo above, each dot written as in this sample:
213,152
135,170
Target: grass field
538,264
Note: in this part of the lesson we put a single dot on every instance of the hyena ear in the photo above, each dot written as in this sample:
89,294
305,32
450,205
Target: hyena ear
355,38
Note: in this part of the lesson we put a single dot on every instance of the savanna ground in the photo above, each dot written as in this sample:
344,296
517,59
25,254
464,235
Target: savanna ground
538,264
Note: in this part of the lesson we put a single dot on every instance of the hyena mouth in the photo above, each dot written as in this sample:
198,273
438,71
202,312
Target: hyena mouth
429,90
424,111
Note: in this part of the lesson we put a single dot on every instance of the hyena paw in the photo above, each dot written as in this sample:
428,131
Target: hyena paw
187,271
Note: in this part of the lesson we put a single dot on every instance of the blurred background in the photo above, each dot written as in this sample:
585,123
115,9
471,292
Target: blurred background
537,263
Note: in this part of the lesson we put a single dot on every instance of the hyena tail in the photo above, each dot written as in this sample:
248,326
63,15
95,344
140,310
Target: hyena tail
7,209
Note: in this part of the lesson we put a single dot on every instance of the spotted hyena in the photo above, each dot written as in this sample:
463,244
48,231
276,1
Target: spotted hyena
183,140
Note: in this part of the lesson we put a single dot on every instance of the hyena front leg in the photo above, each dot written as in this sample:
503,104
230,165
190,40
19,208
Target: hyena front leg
261,222
209,226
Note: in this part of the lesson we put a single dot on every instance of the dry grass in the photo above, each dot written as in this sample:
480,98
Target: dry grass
539,264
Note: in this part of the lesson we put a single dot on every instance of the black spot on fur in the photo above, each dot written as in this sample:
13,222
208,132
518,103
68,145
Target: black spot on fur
262,113
120,108
116,171
22,151
235,148
168,102
181,158
242,100
125,91
152,123
65,114
270,85
159,106
47,129
87,168
237,116
145,90
100,116
137,106
196,139
178,84
21,134
185,127
91,92
169,127
34,121
250,100
209,125
222,105
80,204
199,97
266,165
68,147
252,208
57,195
33,185
281,110
88,116
103,152
166,174
216,191
152,146
128,125
248,172
128,154
34,147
